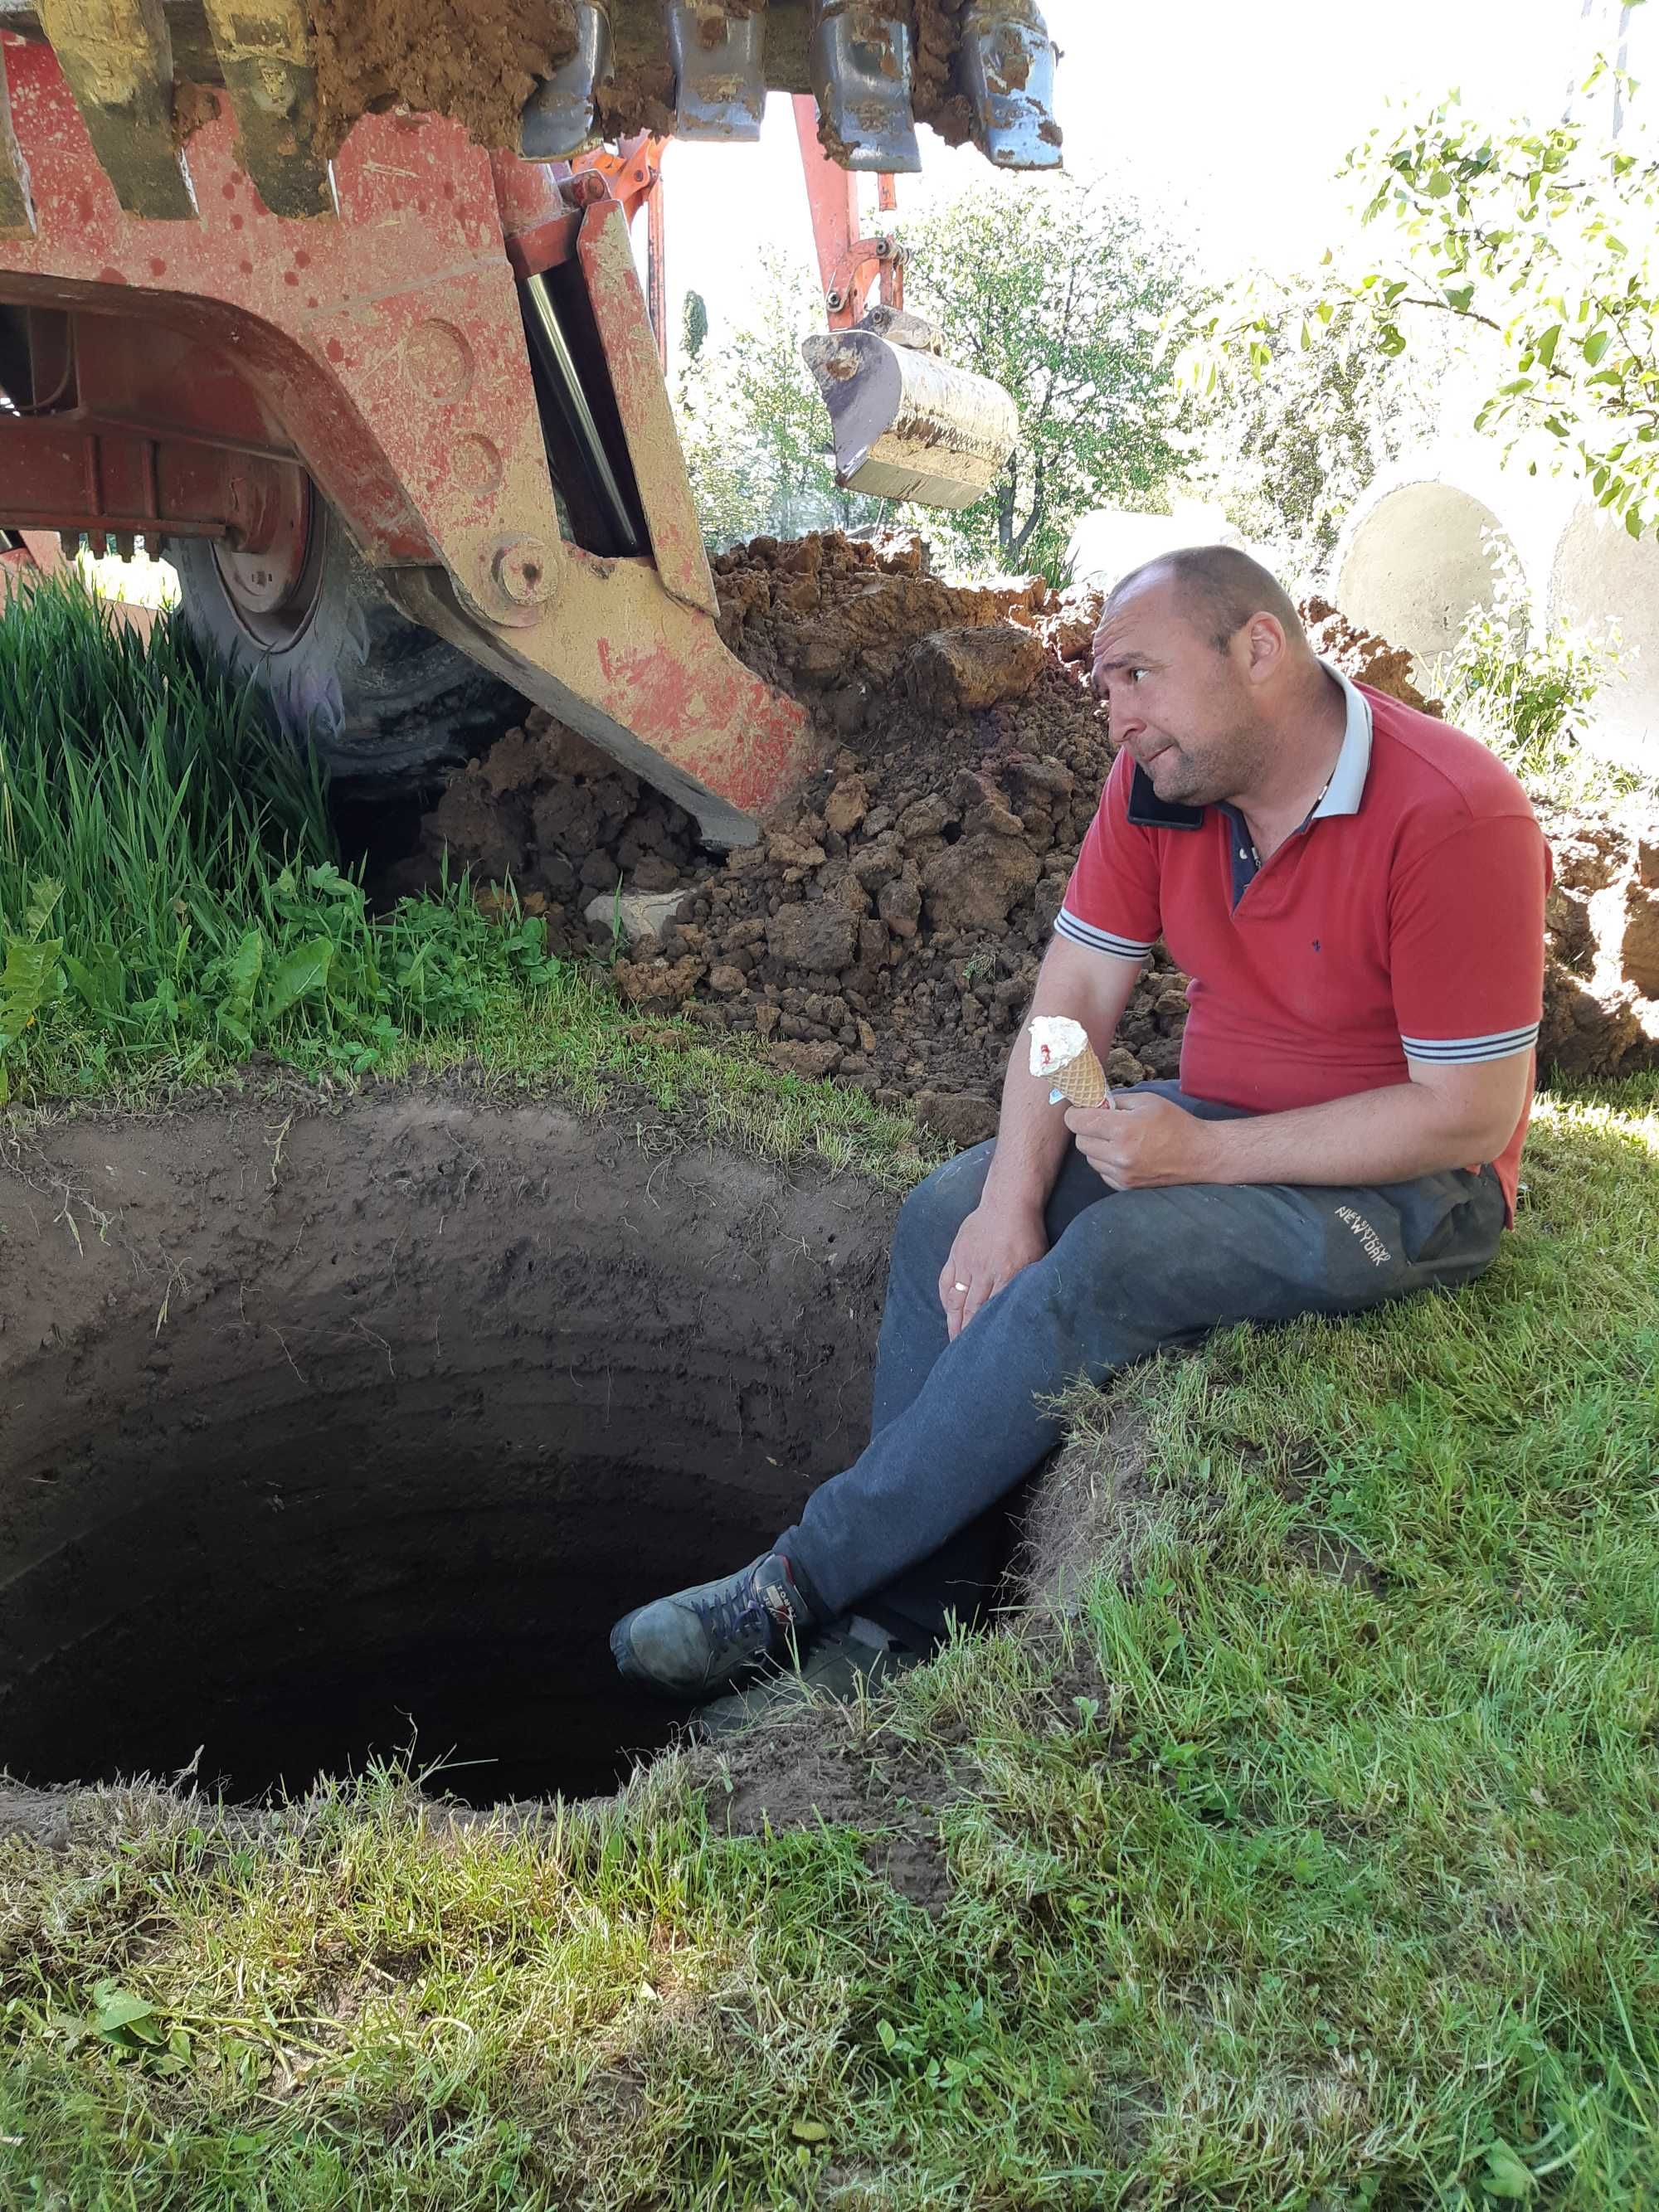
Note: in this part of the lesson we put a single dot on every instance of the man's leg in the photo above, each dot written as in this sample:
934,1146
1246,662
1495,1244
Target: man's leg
961,1577
958,1426
1146,1269
694,1641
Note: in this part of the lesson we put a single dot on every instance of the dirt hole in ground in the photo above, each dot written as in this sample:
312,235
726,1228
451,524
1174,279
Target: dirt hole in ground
321,1435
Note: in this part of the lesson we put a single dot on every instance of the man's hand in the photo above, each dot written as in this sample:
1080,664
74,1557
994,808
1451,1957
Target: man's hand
993,1244
1143,1141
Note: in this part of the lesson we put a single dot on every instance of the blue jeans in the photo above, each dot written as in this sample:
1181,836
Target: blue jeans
957,1428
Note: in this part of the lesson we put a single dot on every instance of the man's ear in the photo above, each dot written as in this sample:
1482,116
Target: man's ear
1267,646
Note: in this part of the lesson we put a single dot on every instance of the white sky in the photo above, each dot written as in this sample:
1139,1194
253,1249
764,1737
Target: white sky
1229,116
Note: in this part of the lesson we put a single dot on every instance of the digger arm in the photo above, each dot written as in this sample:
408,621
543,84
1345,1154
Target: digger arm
237,318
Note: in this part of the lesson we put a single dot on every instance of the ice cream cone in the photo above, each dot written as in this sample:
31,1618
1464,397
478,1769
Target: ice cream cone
1082,1081
1061,1052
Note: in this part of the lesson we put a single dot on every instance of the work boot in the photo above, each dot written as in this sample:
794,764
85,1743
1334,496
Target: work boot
851,1656
707,1637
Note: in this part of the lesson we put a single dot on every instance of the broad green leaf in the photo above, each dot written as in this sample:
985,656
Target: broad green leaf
1546,344
117,2008
246,964
1506,2176
1596,344
298,973
98,981
29,980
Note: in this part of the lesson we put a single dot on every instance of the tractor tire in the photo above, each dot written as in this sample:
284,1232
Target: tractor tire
386,706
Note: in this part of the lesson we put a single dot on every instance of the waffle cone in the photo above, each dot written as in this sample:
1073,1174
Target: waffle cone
1082,1081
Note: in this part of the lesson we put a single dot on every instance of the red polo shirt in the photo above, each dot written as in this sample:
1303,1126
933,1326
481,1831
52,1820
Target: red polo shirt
1405,919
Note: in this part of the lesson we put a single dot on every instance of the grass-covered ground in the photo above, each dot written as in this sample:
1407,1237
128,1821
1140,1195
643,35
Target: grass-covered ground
175,912
1307,1857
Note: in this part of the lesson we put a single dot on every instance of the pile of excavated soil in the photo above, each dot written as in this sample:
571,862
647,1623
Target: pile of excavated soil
887,928
560,818
1363,656
1601,983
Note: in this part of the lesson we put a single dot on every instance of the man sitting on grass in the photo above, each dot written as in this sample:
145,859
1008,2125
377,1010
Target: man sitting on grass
1357,892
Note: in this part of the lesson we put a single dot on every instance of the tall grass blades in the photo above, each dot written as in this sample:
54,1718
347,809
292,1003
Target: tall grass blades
171,895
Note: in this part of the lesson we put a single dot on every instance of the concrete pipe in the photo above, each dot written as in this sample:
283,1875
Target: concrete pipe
1600,573
1415,560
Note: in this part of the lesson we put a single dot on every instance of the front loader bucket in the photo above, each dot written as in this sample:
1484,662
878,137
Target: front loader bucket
907,425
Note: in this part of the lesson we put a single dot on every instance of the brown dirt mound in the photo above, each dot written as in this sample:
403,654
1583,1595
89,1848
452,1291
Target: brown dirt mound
887,928
1601,980
560,818
1363,656
475,60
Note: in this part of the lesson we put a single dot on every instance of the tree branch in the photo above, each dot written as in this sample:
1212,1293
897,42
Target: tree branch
1445,307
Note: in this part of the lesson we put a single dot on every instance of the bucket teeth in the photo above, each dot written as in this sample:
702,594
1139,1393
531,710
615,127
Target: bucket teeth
862,67
718,59
117,58
16,206
557,120
1008,72
265,52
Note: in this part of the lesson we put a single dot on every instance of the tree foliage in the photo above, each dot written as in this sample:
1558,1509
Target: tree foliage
1545,241
754,432
1058,292
695,329
1288,449
1051,291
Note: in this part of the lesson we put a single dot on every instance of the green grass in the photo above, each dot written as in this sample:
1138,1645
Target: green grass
172,902
1269,1885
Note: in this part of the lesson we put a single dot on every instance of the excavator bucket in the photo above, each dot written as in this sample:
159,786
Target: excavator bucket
328,316
907,425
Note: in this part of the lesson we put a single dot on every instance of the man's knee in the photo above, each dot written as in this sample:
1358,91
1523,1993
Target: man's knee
930,1216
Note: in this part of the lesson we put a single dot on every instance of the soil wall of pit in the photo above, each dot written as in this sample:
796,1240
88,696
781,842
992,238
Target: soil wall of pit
319,1424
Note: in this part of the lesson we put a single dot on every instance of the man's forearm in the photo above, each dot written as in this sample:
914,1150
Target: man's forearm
1032,1138
1374,1136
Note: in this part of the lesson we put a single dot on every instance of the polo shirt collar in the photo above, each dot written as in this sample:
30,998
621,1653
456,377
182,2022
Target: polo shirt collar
1347,787
1343,794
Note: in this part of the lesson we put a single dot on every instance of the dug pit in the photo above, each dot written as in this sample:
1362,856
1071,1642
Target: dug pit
324,1430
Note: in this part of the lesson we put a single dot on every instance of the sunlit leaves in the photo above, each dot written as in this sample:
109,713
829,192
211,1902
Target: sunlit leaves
1542,239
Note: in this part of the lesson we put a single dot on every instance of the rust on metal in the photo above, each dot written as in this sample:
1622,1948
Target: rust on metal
647,679
309,320
270,75
647,419
117,58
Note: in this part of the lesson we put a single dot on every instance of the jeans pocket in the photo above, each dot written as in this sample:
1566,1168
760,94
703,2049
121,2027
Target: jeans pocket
1452,1217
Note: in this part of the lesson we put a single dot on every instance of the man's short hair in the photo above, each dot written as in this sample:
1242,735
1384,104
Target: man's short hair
1220,590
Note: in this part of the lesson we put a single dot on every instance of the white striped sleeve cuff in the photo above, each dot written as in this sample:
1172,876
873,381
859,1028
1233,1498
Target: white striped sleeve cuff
1066,924
1449,1051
